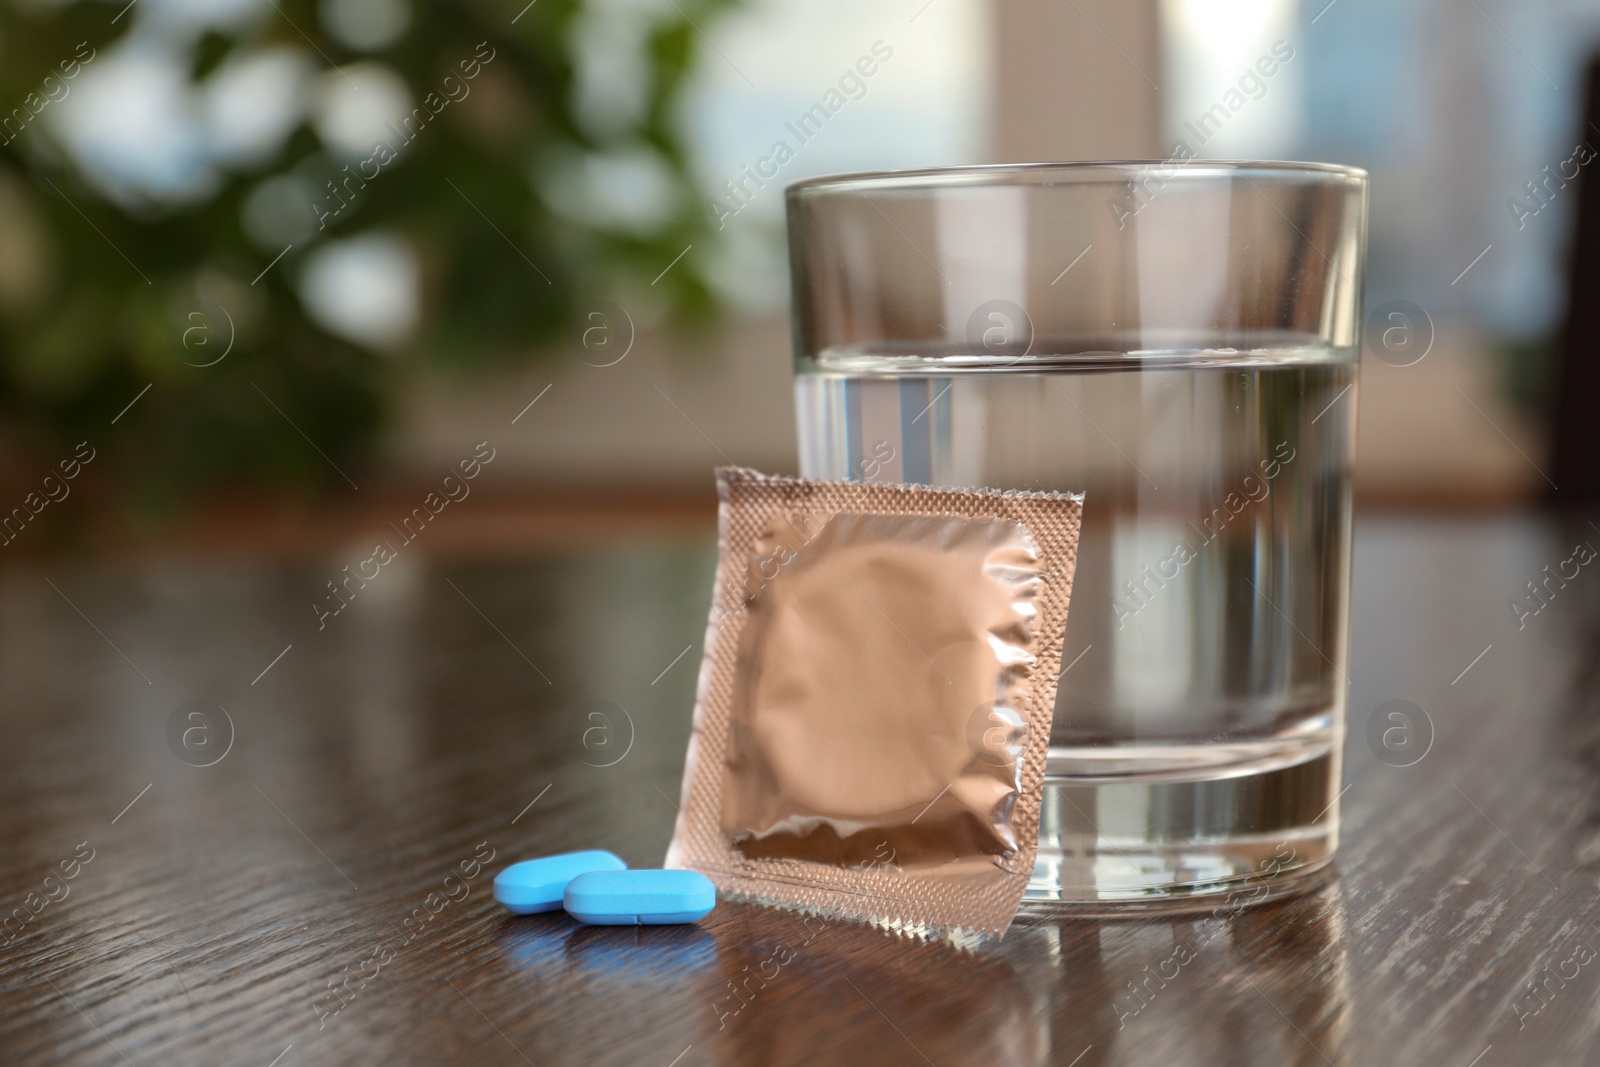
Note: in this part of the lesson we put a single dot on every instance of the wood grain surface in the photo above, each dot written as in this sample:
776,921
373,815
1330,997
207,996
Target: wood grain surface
458,715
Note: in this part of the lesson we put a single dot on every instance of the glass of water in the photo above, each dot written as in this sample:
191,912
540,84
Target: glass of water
1178,340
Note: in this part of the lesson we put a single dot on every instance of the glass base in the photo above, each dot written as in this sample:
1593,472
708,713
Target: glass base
1164,840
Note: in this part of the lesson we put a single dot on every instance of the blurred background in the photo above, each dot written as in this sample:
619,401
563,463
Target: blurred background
278,265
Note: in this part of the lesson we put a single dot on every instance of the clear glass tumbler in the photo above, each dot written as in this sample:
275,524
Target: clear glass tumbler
1178,340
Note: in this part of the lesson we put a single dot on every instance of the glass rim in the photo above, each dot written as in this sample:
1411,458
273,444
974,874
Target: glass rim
985,175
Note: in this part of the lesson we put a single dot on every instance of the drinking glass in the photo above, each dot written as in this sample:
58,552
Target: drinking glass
1177,340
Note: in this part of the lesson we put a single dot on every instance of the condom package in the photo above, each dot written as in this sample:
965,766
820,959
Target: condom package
873,710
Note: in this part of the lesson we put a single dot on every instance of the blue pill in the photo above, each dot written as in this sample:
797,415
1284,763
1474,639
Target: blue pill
536,885
627,898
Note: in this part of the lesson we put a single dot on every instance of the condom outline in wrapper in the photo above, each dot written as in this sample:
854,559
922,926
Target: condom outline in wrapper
872,716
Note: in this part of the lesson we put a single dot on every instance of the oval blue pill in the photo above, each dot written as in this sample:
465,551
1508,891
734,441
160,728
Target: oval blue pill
537,885
617,898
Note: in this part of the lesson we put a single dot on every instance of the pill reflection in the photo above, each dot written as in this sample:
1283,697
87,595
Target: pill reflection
641,954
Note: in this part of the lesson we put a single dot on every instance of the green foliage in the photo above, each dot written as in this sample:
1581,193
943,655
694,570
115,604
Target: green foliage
104,290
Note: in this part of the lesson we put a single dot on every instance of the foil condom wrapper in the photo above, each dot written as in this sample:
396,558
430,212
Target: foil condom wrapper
873,708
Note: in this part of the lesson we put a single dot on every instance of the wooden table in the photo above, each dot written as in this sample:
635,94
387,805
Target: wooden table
442,717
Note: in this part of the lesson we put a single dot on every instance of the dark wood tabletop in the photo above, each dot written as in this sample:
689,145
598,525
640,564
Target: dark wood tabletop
367,778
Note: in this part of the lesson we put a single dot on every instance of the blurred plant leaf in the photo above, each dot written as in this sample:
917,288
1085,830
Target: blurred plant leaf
143,269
